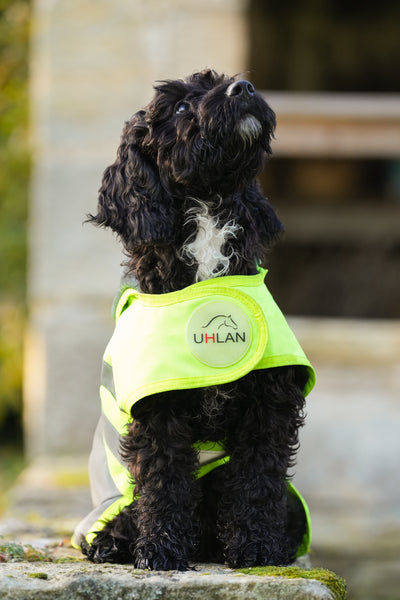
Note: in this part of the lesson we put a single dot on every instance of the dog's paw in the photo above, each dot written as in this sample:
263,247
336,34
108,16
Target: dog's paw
154,560
258,555
142,563
107,549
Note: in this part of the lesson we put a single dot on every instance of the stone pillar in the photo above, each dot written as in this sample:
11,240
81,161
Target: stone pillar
93,65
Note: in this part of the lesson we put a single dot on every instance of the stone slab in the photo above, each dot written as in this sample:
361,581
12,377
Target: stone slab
63,581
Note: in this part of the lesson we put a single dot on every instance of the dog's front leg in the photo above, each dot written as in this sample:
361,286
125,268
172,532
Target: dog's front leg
253,523
164,469
253,515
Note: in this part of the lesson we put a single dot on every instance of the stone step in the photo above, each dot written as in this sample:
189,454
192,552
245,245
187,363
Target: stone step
66,580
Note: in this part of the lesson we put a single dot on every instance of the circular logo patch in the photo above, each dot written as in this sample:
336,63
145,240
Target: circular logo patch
219,333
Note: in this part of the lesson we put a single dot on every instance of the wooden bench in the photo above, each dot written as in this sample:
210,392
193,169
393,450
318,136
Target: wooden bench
336,125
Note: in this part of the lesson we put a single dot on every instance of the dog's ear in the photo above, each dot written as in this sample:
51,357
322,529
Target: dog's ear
269,225
259,222
132,201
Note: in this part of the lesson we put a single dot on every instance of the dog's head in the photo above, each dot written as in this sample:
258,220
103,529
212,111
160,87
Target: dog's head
202,137
207,135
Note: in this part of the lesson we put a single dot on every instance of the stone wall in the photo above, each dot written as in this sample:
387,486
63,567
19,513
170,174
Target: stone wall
93,66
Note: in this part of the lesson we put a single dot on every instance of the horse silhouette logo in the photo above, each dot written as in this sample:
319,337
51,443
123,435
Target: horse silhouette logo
222,321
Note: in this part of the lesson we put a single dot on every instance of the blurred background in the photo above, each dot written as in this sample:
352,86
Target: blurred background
71,73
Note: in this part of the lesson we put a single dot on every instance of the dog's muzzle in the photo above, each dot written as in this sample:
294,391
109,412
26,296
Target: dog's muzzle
248,127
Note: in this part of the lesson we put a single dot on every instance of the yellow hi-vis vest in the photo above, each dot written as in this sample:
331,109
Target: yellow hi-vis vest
209,333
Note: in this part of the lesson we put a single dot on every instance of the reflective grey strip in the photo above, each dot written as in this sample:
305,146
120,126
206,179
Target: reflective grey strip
101,482
110,435
107,378
208,456
112,438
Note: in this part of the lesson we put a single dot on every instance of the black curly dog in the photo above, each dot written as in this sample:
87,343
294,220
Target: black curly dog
183,198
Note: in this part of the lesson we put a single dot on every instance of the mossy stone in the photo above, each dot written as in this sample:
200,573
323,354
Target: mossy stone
336,584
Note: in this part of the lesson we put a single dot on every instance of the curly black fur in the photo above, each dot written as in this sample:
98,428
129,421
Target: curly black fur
201,141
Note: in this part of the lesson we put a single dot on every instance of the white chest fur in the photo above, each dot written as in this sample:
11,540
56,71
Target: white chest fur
205,246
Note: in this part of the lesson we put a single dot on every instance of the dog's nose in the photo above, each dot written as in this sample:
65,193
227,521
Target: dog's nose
241,88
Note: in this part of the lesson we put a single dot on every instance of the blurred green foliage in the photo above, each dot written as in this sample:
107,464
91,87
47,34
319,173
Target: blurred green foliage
12,462
14,187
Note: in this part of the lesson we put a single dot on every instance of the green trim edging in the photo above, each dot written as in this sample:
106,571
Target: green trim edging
336,584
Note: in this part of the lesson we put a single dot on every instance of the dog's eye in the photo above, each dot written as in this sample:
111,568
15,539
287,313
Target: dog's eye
181,108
